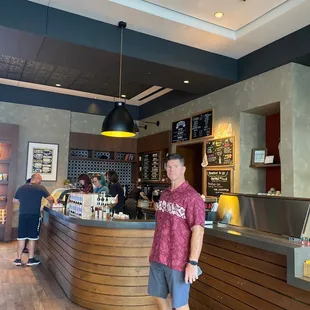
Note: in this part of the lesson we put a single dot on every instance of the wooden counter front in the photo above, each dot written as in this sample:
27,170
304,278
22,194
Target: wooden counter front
238,276
98,267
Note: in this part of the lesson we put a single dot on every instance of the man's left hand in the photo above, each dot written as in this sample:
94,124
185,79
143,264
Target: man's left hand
191,273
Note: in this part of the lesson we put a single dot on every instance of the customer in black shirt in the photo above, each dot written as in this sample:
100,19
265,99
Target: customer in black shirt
29,197
116,188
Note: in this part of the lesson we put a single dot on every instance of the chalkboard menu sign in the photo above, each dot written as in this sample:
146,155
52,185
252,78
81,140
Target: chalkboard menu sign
218,182
181,130
150,166
202,125
220,152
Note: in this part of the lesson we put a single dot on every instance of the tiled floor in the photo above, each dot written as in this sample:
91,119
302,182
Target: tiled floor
28,287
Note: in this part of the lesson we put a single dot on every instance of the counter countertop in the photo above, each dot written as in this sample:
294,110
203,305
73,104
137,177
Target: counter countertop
268,196
94,222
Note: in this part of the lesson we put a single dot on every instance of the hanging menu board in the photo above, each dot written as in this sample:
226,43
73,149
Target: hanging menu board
202,125
181,130
150,166
219,182
220,152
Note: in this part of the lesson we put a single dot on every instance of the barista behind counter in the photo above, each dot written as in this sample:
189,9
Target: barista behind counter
116,190
132,201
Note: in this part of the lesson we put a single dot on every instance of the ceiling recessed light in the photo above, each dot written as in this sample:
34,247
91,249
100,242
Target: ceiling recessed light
58,85
123,96
95,97
219,14
185,82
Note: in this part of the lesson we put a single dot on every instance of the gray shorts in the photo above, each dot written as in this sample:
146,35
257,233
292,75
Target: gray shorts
164,280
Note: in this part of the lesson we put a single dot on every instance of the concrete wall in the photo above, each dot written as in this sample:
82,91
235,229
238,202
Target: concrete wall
38,125
229,105
47,125
301,130
86,123
288,85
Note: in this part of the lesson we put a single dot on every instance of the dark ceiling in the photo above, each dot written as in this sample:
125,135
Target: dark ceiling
97,71
48,46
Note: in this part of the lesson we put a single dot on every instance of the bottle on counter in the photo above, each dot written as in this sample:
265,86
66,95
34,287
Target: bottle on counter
98,200
125,191
101,200
304,241
106,208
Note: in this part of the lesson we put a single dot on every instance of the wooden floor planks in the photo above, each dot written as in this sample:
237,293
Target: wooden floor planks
28,288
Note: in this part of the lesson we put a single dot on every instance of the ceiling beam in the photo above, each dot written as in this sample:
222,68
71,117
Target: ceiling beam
291,48
47,99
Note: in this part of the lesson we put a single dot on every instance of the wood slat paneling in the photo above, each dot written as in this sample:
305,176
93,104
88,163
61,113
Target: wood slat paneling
196,305
100,250
113,280
98,259
211,302
107,232
92,305
254,276
102,240
239,294
102,143
157,141
264,294
92,282
243,277
125,271
247,261
220,296
98,298
96,273
267,256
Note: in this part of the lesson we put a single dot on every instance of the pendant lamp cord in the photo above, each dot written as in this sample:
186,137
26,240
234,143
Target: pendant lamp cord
121,63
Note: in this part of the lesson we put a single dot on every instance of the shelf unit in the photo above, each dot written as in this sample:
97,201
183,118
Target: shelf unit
112,156
106,160
5,156
8,159
265,165
5,161
161,166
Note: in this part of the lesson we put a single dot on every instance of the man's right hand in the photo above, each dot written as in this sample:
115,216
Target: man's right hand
50,199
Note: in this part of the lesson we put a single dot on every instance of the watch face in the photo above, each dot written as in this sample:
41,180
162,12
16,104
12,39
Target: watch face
192,262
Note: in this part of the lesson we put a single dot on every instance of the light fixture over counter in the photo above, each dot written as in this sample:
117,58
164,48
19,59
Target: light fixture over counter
119,123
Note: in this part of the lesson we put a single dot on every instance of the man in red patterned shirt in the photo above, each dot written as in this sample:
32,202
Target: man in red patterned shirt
180,219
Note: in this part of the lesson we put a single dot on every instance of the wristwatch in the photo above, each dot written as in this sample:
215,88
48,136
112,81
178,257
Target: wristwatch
193,262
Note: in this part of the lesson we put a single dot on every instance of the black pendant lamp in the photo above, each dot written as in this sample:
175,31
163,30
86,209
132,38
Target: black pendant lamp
119,123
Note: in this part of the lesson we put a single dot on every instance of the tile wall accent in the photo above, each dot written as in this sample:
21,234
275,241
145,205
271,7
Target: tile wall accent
77,167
